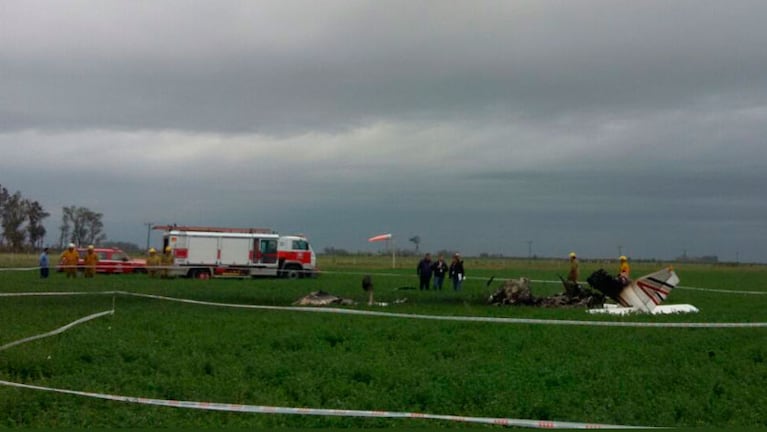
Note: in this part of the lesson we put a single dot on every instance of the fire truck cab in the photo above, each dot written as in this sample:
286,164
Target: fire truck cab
205,252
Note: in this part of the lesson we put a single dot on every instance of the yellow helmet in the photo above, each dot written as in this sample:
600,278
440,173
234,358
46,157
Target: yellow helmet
167,249
152,250
90,247
623,258
572,254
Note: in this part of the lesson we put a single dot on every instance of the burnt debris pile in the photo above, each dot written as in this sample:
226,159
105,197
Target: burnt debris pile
518,292
606,284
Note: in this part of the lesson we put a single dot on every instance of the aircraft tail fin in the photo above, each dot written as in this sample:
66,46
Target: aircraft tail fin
649,291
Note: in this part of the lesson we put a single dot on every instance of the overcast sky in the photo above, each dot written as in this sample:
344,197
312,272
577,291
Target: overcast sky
578,125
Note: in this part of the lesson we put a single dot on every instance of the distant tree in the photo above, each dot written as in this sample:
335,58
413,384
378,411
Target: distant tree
95,228
3,196
20,219
3,199
14,215
81,226
417,241
67,213
35,229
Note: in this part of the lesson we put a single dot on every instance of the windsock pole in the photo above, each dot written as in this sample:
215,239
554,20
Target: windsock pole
389,243
393,254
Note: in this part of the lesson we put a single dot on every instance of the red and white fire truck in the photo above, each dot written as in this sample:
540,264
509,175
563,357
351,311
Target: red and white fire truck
205,252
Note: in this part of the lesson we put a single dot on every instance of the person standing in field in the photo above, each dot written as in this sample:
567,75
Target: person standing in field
91,260
44,264
167,262
69,259
439,269
367,286
456,272
574,273
424,272
153,262
624,272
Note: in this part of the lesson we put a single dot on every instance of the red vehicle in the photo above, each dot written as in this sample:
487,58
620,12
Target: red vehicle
112,261
205,252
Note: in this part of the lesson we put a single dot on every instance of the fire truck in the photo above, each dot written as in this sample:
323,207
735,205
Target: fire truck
206,252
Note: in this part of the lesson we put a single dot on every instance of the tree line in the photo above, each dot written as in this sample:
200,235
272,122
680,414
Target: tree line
81,226
21,220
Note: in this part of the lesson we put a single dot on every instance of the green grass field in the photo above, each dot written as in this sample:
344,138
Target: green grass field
164,350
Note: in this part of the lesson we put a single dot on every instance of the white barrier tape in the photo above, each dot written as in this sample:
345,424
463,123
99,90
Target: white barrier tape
262,409
265,409
482,278
722,291
497,320
58,330
2,269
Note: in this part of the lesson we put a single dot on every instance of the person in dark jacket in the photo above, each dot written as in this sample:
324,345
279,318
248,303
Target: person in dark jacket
439,269
424,272
457,274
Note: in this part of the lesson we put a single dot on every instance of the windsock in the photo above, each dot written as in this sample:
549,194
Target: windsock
380,237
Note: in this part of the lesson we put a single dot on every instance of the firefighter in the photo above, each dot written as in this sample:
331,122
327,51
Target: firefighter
166,261
153,262
573,275
69,260
91,260
624,272
572,288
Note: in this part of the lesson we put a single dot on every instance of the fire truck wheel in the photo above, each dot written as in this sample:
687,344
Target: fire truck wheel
202,274
292,272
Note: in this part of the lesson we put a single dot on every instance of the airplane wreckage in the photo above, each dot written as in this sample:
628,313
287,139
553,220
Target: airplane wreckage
643,295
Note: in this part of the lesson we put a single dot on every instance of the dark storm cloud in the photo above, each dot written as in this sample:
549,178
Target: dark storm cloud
371,61
478,125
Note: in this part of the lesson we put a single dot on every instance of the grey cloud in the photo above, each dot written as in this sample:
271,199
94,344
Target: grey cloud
478,126
373,61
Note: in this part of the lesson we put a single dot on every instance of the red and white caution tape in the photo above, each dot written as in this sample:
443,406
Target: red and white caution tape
497,320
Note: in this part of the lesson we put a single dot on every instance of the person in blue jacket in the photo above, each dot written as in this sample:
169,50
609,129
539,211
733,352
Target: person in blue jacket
44,264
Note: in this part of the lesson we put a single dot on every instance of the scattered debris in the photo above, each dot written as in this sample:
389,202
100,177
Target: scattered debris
321,298
517,292
384,304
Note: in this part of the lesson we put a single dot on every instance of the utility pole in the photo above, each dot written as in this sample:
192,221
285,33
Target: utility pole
148,233
529,249
620,250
